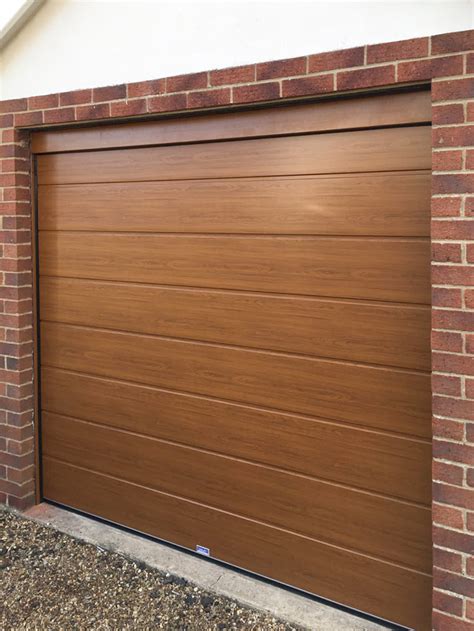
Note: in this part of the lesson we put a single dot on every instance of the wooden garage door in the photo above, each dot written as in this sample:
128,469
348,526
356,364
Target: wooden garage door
235,339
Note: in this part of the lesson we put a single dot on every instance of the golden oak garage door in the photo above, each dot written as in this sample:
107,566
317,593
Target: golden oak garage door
235,339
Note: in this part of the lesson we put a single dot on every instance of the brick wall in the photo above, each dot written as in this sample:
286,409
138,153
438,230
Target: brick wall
445,60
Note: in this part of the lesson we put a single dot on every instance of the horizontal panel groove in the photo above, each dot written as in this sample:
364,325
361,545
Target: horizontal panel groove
245,517
247,235
246,292
249,349
242,404
258,178
297,474
315,174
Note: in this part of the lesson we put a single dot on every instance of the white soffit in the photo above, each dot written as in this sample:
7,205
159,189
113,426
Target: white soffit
13,15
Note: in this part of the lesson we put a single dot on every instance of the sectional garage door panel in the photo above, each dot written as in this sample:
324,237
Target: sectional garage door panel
326,205
402,465
238,331
368,584
389,399
317,266
371,332
398,149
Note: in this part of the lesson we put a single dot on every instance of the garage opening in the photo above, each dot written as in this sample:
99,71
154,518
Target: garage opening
234,339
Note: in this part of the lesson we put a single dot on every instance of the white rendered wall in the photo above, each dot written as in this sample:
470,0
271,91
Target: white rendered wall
71,44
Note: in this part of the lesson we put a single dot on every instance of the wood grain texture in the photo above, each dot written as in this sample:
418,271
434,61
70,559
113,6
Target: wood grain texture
365,111
391,334
397,149
235,339
341,267
386,528
386,204
391,399
387,590
315,447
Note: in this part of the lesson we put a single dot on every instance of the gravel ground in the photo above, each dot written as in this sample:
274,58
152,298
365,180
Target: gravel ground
50,581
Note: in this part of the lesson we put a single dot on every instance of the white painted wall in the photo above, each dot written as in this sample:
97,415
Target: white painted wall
71,44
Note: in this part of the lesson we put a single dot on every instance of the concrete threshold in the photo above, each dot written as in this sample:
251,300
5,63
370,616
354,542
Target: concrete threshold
248,590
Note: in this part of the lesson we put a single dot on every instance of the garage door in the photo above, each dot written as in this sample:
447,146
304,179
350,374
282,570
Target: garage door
234,339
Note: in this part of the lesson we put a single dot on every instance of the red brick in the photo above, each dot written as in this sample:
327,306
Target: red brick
444,384
452,89
180,83
281,68
452,42
228,76
43,102
167,103
21,476
470,559
450,473
405,49
13,105
109,93
470,476
448,516
446,252
453,136
78,97
447,66
453,320
414,70
445,206
447,603
453,582
61,115
470,608
470,395
256,92
447,560
17,461
209,98
146,88
470,253
452,275
308,85
455,183
470,63
6,120
445,538
28,119
334,60
446,622
453,408
453,452
88,112
470,112
470,160
447,160
470,344
446,114
457,364
128,108
447,341
456,230
365,78
21,503
443,428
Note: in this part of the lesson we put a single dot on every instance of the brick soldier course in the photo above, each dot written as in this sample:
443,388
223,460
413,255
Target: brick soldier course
444,61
